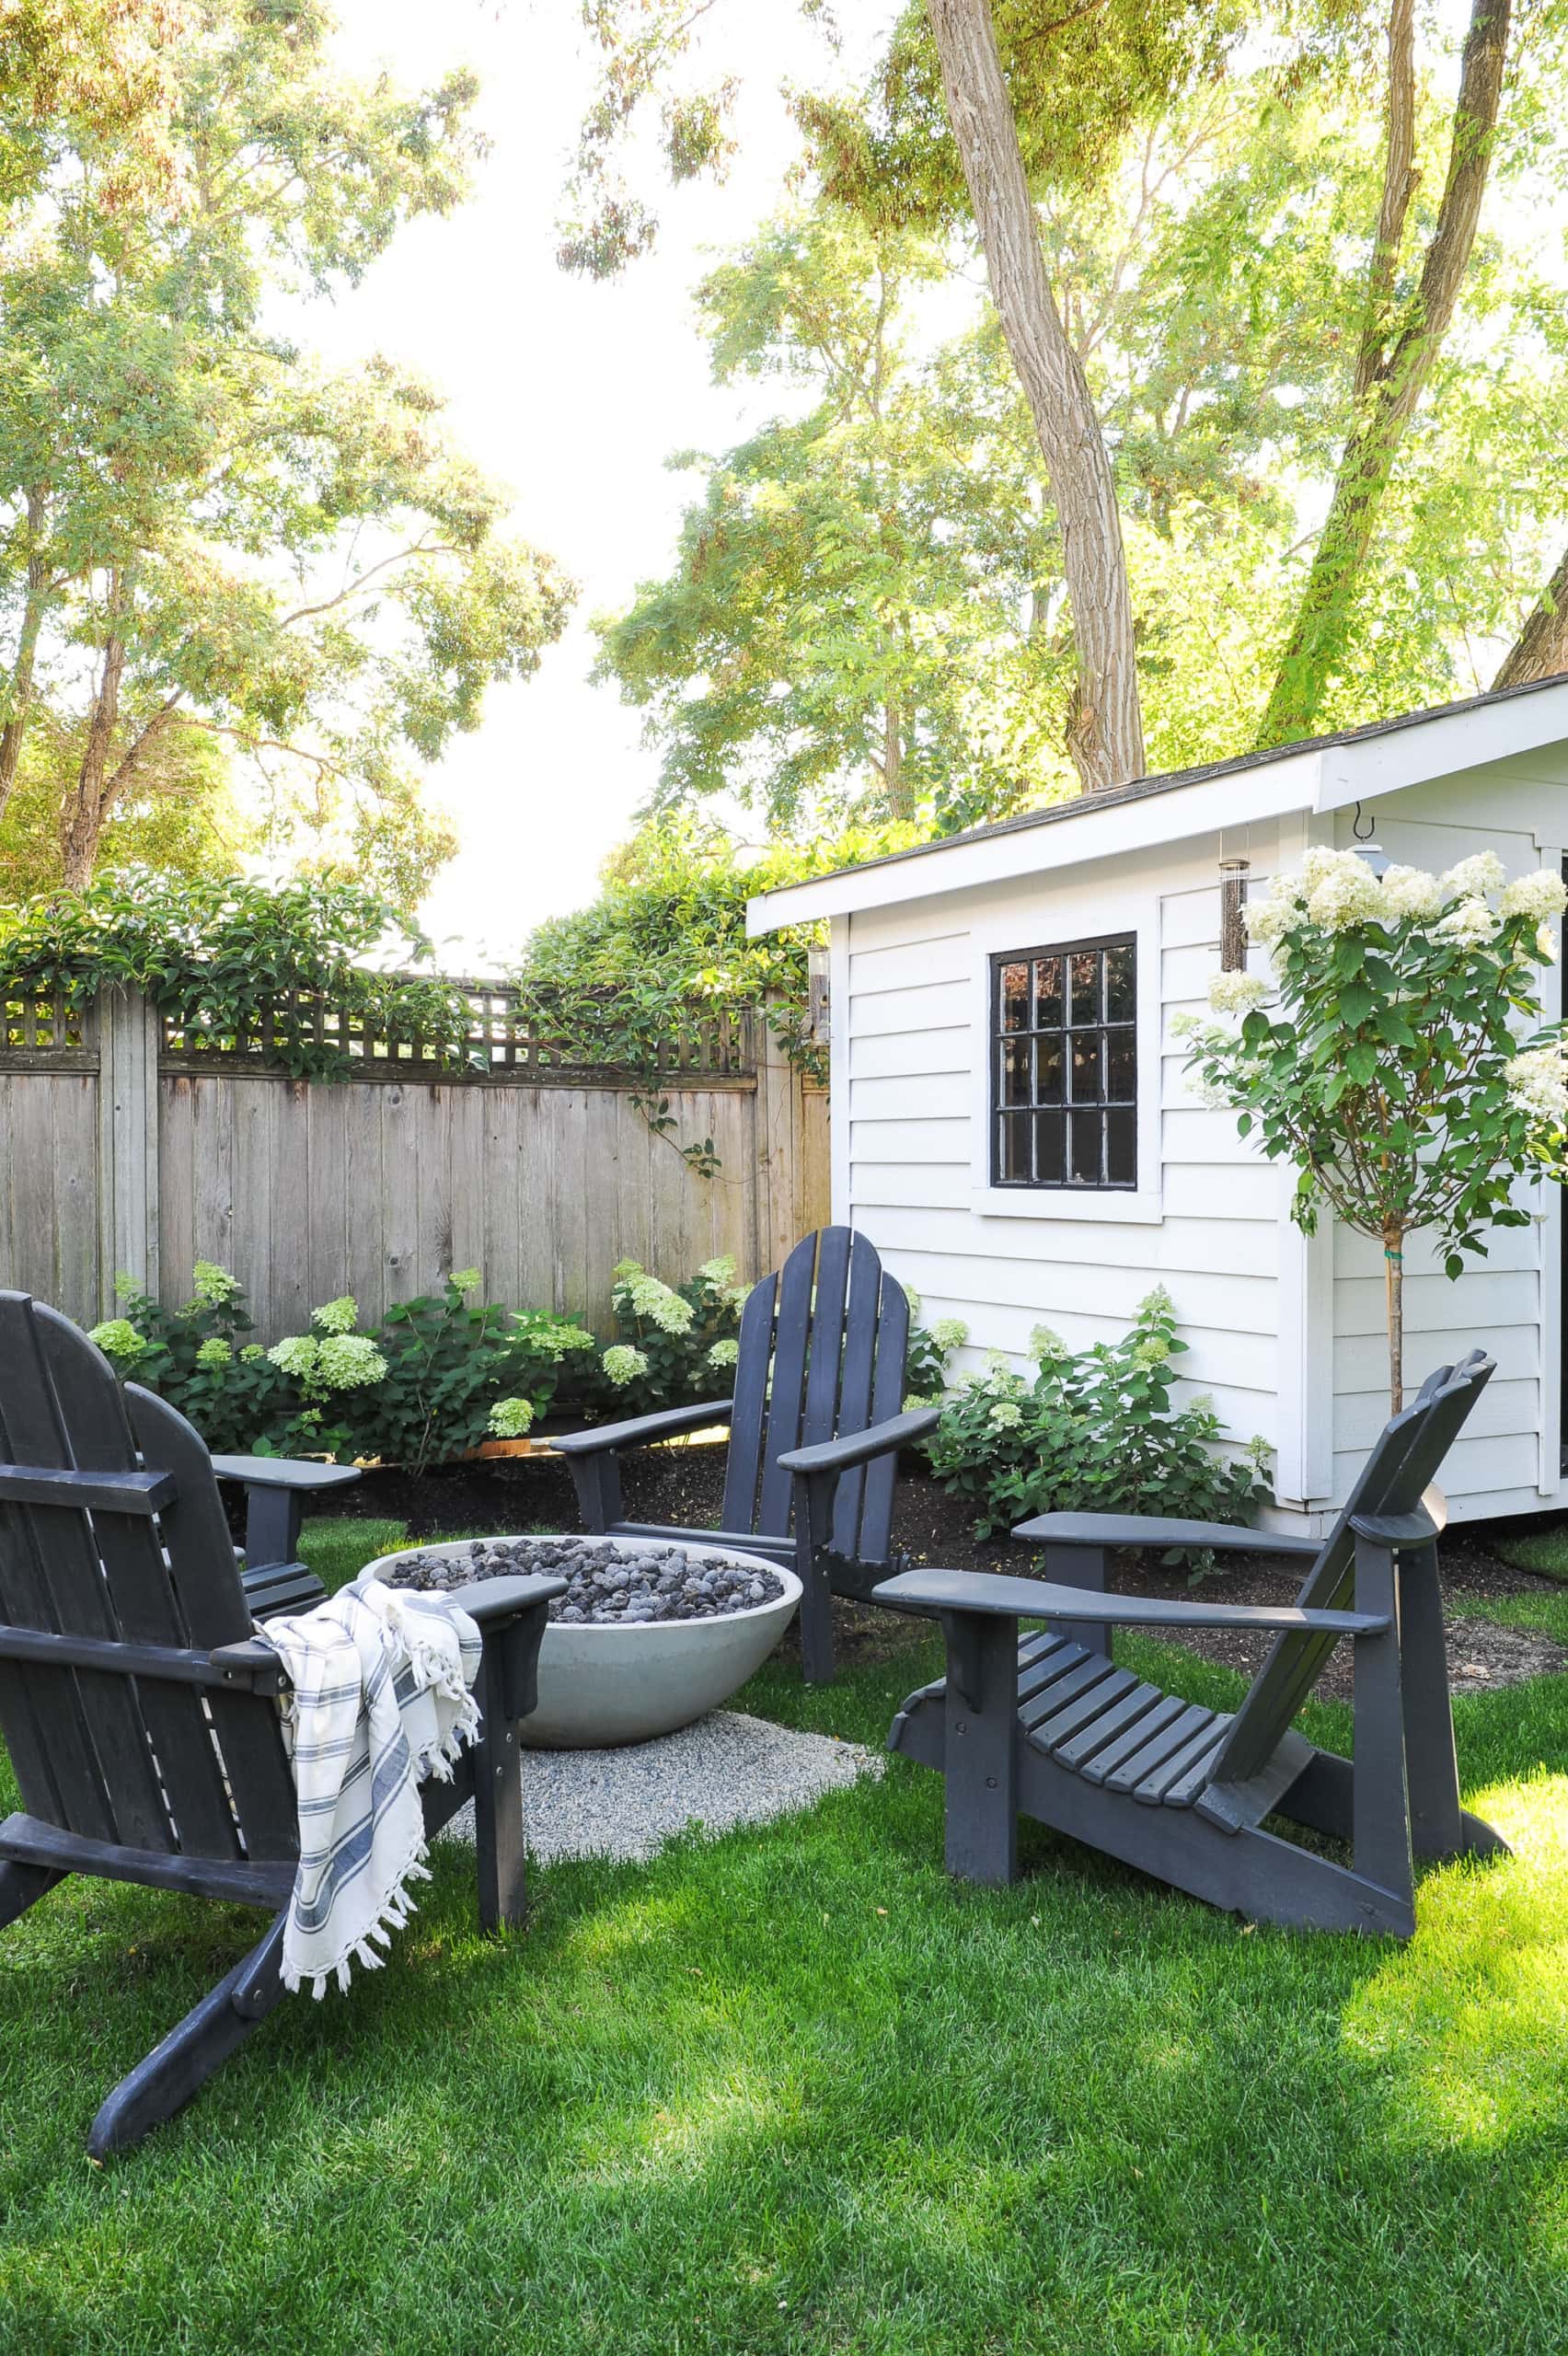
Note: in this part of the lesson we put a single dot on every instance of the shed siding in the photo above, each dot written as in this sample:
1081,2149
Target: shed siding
908,1043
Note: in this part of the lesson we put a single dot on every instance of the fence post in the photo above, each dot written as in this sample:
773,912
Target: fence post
128,1038
778,1137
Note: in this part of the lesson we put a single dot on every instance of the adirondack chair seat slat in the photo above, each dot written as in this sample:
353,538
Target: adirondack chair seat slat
138,1707
1049,1728
815,1423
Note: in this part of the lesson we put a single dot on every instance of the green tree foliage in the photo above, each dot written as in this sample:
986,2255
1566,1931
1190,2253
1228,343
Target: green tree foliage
181,817
201,528
667,934
847,633
1303,258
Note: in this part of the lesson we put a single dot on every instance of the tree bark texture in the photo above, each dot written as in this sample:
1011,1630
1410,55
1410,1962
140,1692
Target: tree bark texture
34,601
1395,376
1540,650
1105,729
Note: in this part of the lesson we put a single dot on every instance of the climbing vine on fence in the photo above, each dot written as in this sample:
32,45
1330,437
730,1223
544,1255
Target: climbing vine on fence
241,964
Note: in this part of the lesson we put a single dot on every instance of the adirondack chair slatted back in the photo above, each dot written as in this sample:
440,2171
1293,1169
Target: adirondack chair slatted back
822,1355
1393,1480
142,1762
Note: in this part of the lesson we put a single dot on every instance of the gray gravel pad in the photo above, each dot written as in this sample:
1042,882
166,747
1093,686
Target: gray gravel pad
727,1768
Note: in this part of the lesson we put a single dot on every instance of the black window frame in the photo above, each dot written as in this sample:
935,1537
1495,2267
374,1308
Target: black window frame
1063,1106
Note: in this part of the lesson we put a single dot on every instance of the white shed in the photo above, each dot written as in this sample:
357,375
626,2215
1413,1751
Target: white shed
1005,1217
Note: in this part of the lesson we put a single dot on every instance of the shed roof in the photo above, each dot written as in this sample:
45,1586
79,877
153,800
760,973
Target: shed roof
1319,773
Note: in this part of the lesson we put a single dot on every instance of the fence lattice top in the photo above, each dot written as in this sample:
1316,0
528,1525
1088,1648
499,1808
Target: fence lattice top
497,1037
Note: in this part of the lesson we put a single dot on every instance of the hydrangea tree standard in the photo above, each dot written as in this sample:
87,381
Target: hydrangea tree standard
1403,1066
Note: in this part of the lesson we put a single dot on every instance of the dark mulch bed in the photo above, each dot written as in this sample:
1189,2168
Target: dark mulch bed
684,1483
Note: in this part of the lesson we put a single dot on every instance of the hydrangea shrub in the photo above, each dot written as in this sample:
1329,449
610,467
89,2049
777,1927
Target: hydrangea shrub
1095,1431
1398,1057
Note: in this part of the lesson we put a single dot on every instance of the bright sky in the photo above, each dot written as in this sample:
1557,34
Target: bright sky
571,393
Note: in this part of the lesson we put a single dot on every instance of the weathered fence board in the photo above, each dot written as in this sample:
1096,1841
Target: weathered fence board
116,1153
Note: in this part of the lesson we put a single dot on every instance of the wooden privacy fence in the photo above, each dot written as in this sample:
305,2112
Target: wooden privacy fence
127,1144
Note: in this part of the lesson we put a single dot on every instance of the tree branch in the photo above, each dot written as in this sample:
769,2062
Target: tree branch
398,556
1540,650
1399,178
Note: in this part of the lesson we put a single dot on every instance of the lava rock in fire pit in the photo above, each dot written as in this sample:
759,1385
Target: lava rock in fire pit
621,1583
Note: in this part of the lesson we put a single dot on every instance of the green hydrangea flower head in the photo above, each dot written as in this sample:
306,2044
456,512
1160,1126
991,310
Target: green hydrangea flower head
950,1333
296,1354
1007,1416
251,1352
623,1364
215,1351
349,1361
340,1316
1151,1352
213,1285
509,1418
1044,1343
719,1272
467,1280
118,1338
723,1353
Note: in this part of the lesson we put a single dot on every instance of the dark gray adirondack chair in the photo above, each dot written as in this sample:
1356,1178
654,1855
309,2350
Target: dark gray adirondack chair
816,1423
138,1707
1053,1730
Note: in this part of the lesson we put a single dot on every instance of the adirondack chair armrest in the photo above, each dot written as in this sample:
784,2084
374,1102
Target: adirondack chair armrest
860,1448
250,1665
285,1472
511,1616
1395,1529
1130,1529
490,1601
996,1596
665,1423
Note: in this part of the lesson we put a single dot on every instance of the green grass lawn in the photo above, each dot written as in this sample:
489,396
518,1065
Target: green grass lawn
1542,1550
795,2091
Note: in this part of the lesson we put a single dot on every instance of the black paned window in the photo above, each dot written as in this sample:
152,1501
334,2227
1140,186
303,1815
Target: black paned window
1064,1066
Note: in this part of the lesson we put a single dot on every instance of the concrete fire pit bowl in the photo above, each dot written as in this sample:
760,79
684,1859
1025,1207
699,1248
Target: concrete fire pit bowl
607,1682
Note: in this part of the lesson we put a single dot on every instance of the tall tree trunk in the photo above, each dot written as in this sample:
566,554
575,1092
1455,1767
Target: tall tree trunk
1540,650
1393,1302
84,818
1105,732
1392,379
34,602
895,792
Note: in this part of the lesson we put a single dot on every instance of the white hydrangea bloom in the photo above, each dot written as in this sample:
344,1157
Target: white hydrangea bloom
1345,894
347,1361
659,1304
1472,878
1237,993
1539,896
1045,1343
950,1333
509,1418
210,1285
623,1364
296,1354
1410,896
118,1338
1154,1351
1281,912
723,1353
1538,1084
719,1272
1470,924
340,1316
1007,1416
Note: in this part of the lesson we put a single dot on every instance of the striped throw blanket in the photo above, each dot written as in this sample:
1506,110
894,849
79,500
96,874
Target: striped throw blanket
381,1698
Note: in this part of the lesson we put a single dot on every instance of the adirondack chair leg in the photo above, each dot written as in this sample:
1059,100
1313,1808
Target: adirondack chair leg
21,1887
497,1804
1380,1804
597,1480
1435,1819
1080,1566
274,1518
981,1738
181,2066
813,1525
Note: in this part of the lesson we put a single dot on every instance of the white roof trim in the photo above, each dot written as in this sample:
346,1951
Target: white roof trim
1316,777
